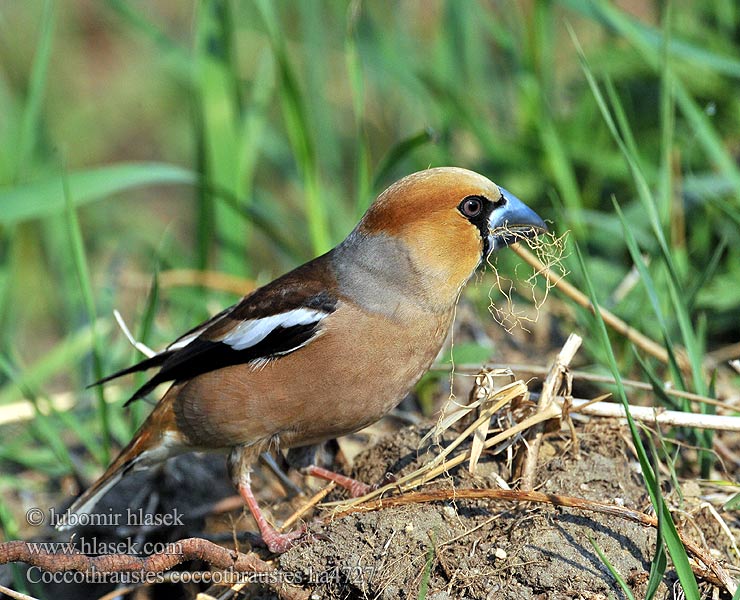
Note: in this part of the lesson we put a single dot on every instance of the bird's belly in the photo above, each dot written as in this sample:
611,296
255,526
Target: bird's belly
335,385
351,401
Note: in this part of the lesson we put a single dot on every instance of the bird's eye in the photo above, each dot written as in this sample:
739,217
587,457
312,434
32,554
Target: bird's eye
471,206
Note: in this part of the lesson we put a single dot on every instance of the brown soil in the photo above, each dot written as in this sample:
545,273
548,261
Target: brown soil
441,550
485,549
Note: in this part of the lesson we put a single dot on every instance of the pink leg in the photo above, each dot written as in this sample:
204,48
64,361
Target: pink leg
354,487
276,542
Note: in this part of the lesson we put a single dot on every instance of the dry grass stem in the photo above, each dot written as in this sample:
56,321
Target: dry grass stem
213,280
483,391
141,347
488,401
483,396
658,416
312,501
585,376
557,379
723,526
632,334
15,595
430,471
725,353
489,404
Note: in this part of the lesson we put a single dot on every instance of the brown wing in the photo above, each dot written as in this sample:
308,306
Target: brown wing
272,321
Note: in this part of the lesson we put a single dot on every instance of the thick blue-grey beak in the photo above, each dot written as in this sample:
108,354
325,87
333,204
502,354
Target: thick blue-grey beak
513,221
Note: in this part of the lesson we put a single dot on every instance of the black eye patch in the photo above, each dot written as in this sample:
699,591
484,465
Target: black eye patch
477,210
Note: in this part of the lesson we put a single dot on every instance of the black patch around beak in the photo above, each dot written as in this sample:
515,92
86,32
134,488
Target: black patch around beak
513,221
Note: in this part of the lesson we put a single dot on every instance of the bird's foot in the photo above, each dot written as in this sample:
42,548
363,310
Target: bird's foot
277,542
354,487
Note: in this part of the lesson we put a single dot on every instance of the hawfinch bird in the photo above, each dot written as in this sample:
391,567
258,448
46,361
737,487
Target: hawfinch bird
329,347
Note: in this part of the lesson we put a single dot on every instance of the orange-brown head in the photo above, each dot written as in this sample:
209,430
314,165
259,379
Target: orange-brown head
442,222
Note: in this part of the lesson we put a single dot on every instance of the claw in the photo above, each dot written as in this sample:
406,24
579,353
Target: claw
277,543
388,478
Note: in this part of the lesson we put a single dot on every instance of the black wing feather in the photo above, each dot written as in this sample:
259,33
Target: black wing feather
148,363
202,356
159,359
303,288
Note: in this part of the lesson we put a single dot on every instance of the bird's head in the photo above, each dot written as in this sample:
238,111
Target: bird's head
450,220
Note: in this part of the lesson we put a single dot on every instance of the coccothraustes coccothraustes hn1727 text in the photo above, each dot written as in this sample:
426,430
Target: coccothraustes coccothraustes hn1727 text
331,346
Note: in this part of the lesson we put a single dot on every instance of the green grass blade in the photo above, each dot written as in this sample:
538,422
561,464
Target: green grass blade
363,192
86,434
666,400
706,273
299,132
68,352
255,123
708,137
645,278
649,204
693,347
673,542
563,172
649,42
640,181
42,425
77,248
617,576
32,110
667,119
651,38
138,409
680,310
218,91
397,153
263,218
46,197
427,573
620,117
175,55
733,503
9,530
660,561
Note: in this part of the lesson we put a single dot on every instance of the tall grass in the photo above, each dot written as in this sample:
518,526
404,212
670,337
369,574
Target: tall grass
246,137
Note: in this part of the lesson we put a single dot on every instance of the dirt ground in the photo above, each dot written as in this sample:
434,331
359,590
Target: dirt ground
485,549
475,549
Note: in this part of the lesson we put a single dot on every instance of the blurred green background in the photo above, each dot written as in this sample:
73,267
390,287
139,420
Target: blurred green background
242,138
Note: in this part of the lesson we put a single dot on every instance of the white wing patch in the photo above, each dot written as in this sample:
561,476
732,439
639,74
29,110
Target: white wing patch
188,338
180,343
251,332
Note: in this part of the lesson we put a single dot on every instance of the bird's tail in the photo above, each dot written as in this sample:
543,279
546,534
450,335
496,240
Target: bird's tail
154,443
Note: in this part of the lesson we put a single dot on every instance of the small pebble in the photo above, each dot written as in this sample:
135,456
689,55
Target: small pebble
500,553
